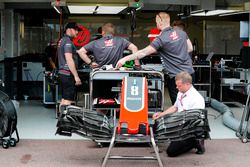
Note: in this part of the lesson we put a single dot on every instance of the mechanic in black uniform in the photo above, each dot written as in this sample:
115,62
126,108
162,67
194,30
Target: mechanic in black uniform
67,62
173,46
106,51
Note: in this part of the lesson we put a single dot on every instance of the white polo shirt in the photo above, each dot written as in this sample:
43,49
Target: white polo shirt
191,99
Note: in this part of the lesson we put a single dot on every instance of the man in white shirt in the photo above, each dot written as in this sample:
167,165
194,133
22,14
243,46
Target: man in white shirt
187,98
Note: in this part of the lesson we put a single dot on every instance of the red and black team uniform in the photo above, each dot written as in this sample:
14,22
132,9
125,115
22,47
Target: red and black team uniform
67,79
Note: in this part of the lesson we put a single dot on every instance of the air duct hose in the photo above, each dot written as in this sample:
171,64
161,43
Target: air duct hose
228,118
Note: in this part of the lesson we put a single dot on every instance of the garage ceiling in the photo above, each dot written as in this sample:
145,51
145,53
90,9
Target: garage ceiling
149,5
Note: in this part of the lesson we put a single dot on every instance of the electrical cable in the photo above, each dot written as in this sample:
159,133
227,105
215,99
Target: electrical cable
133,19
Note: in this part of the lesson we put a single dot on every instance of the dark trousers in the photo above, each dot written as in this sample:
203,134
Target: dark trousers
172,88
68,87
179,147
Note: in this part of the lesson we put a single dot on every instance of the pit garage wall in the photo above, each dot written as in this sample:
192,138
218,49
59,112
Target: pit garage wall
2,49
1,31
8,32
222,37
9,26
7,39
9,36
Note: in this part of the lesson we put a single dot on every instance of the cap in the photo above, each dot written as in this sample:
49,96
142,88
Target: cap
72,25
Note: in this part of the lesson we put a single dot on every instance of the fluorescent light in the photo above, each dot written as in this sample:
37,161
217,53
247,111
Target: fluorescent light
21,26
235,13
81,9
95,9
110,9
213,12
218,12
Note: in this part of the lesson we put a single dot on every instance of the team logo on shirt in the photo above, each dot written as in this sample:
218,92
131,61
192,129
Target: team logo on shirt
108,42
174,35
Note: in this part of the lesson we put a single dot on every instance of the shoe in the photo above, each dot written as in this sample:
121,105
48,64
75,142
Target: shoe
61,112
200,146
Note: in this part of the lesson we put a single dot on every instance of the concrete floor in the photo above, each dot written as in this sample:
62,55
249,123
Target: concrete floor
38,122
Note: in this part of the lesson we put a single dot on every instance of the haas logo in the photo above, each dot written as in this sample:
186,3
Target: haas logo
108,43
174,35
83,37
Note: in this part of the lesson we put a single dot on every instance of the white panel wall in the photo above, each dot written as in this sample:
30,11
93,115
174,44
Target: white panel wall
1,31
16,42
8,19
222,38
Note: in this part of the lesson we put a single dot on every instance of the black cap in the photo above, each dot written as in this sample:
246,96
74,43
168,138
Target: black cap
73,25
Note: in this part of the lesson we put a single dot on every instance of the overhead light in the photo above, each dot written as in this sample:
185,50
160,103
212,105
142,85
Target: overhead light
110,9
192,12
234,13
212,12
81,9
95,9
21,28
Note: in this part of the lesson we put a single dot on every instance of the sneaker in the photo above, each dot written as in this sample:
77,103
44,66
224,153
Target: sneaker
200,146
61,112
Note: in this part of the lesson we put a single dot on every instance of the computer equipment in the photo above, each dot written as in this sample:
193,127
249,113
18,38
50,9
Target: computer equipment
206,61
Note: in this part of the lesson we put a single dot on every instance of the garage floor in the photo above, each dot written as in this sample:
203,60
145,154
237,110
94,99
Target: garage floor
40,147
78,153
37,122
